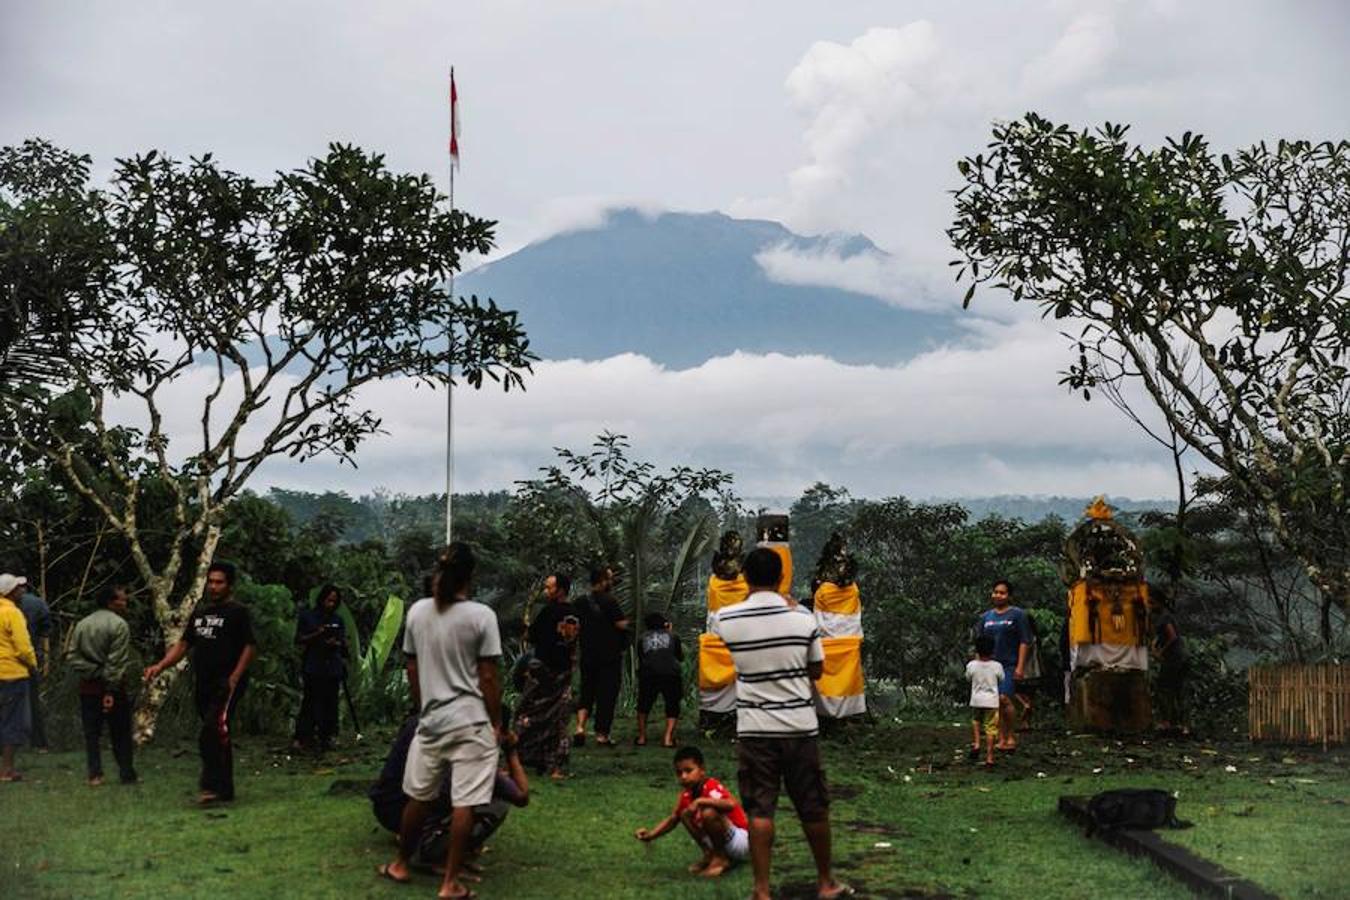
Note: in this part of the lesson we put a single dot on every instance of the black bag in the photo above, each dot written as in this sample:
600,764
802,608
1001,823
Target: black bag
1134,808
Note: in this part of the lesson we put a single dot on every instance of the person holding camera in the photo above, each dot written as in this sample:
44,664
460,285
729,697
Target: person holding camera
323,640
546,696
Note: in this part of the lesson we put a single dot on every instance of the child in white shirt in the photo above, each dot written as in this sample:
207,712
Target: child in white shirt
984,674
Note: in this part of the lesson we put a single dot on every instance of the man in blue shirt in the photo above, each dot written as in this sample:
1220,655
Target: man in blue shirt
1011,631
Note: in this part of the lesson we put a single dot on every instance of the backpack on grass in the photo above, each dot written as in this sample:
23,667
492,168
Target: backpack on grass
1134,808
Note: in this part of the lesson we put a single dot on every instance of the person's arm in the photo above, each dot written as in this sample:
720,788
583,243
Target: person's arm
520,781
118,658
414,686
1169,635
1024,645
721,804
171,658
23,644
490,683
815,657
240,667
661,828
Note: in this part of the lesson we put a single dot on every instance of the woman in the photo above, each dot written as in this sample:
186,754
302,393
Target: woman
546,696
323,641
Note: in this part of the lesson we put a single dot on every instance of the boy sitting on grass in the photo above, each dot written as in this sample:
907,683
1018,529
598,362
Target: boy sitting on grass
984,674
709,813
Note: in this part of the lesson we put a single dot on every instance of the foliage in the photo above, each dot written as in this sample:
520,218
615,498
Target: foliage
622,505
1215,282
284,298
925,573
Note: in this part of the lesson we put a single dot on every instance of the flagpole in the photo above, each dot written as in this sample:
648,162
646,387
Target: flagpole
450,345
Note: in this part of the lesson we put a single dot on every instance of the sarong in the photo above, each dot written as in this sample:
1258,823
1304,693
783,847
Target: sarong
545,740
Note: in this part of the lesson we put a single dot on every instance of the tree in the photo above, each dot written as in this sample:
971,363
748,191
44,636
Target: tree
624,503
278,301
1217,283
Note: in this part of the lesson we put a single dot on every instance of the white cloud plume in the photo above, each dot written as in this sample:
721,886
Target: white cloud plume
952,422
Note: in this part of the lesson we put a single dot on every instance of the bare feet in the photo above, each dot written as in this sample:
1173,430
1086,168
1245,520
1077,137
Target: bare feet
697,868
96,781
716,866
395,872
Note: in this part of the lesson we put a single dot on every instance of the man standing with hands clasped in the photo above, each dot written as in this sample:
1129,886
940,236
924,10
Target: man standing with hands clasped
777,653
220,635
100,654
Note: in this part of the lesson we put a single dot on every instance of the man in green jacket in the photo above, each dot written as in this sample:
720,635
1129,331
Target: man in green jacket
100,654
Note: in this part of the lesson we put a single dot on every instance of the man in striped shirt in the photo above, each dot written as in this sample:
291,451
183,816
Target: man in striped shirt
777,653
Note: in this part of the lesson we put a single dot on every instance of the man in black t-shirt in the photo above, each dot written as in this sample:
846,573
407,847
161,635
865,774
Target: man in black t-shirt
545,710
220,635
604,635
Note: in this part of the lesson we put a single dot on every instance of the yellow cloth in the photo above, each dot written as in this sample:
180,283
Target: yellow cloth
842,601
785,554
1080,627
17,659
715,669
724,593
843,675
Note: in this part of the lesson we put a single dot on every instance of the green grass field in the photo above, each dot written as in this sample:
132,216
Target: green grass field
911,818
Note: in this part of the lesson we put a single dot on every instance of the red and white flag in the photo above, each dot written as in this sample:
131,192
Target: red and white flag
454,122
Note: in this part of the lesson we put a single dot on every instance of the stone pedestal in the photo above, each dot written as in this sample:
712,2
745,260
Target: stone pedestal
1110,700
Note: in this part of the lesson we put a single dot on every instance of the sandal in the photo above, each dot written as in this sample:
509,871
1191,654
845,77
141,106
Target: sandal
843,890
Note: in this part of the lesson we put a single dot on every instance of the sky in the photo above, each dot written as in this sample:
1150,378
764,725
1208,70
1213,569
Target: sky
826,117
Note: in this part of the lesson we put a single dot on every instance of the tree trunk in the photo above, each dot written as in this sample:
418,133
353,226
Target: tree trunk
172,620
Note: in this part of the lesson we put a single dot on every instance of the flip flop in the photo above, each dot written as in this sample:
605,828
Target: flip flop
843,891
383,872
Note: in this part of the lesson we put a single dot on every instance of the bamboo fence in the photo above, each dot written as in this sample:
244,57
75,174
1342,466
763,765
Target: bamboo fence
1299,704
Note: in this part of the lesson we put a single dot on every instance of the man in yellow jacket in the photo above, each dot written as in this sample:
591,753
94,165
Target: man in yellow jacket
18,661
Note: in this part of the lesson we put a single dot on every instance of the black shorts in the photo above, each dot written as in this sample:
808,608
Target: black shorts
668,687
793,762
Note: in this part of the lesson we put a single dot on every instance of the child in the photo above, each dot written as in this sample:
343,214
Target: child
984,675
659,656
709,812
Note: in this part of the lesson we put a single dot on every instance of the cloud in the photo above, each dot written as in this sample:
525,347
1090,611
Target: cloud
1081,52
870,272
952,422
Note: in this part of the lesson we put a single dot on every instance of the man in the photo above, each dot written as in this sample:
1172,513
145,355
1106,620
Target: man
604,635
220,635
453,647
546,698
511,788
776,650
18,662
100,655
323,640
1011,631
39,618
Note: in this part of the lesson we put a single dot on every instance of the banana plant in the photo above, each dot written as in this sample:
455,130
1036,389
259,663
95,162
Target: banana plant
366,665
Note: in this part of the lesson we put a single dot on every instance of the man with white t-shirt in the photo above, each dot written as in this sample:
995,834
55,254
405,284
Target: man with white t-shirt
453,646
777,652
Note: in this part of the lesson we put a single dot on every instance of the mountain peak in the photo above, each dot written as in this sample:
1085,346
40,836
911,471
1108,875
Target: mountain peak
685,287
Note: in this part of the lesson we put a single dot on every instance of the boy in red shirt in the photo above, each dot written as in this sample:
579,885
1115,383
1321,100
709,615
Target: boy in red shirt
709,812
